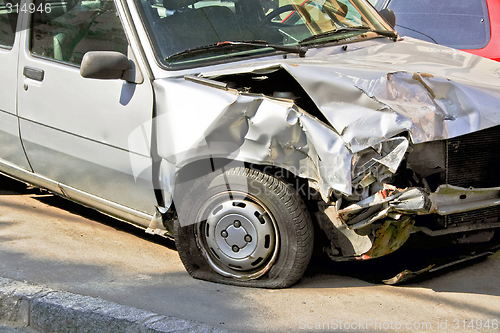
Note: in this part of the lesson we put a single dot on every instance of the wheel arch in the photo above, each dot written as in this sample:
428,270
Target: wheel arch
202,167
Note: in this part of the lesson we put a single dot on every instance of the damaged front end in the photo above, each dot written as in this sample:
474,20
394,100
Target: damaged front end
387,153
400,188
369,202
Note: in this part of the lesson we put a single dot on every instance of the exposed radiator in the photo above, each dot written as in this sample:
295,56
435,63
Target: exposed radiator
473,160
485,215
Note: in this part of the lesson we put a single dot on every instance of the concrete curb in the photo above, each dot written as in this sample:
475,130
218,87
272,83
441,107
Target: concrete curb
49,310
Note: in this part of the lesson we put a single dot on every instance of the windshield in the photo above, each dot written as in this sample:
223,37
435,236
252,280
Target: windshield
189,32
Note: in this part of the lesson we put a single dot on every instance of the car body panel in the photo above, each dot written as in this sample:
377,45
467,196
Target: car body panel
247,128
72,135
11,147
396,87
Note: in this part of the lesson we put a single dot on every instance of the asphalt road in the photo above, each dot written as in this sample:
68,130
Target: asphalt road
49,241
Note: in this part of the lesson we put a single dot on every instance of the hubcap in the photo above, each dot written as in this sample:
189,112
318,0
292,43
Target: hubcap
234,245
238,236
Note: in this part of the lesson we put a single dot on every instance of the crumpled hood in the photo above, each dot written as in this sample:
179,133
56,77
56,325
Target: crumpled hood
375,92
369,93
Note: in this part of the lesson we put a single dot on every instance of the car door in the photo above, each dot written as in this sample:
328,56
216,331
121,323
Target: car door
78,131
11,149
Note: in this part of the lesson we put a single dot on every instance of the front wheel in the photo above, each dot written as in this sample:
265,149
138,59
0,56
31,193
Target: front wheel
246,228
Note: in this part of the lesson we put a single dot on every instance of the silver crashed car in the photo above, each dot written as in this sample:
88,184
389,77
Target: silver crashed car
246,129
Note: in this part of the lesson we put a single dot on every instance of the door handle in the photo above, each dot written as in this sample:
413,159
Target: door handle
33,73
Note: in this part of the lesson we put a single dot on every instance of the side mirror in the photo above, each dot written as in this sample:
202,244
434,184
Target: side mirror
106,65
389,16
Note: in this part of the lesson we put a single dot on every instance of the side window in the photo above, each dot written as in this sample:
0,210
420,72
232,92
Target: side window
67,33
8,21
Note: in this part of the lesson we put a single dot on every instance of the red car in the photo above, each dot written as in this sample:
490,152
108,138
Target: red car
470,25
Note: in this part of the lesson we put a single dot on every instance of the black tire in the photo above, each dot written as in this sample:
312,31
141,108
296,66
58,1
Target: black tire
263,215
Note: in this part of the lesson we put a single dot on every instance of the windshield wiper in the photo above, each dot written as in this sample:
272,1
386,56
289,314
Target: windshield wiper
300,50
385,33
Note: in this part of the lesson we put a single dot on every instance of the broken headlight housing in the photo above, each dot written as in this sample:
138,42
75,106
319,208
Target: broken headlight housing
374,166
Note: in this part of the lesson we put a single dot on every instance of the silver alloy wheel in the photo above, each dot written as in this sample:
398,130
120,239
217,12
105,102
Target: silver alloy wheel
237,235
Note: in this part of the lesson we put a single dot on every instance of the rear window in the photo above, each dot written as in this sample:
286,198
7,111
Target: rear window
462,24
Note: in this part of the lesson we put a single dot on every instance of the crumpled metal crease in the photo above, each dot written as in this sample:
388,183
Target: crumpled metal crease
374,93
368,95
248,128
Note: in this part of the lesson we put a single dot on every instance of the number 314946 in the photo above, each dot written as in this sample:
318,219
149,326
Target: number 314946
475,324
25,8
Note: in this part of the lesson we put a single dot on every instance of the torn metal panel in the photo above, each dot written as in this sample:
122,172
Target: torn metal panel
390,237
366,242
374,93
248,128
370,207
376,165
412,201
345,243
450,199
391,199
408,275
417,201
389,217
